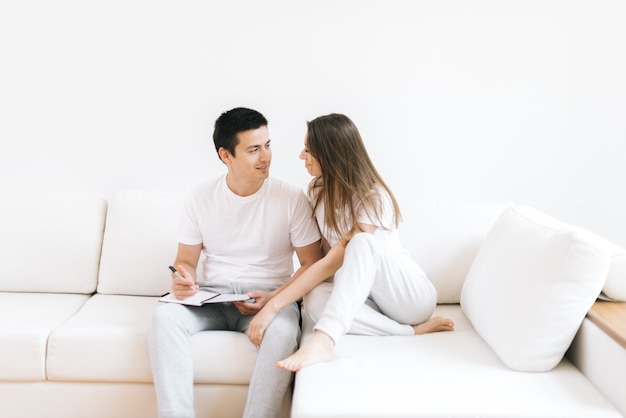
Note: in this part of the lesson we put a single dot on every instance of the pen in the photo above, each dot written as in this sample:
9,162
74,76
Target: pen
177,274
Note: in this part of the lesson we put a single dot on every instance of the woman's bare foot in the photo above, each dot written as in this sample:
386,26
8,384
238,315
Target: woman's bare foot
318,349
435,324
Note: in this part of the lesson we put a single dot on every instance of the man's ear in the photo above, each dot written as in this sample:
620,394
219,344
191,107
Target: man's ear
224,155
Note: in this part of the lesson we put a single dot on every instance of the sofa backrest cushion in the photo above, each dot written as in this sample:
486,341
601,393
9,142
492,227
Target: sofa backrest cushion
444,236
531,285
50,241
139,243
615,286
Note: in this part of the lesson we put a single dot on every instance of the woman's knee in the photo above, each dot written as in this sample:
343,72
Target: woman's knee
361,243
315,301
362,238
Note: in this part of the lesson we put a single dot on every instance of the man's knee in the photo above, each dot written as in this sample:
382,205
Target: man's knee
167,316
286,325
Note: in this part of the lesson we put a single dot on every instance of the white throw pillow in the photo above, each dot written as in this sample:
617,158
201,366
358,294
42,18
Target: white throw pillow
531,285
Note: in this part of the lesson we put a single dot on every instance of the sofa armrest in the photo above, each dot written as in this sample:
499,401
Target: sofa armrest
610,317
599,350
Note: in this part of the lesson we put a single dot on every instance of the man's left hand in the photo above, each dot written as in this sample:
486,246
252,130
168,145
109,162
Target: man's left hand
251,308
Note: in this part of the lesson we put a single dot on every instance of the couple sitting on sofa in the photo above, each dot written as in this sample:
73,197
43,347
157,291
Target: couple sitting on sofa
246,225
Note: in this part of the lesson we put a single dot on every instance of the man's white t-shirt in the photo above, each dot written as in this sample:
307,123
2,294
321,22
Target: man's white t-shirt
247,239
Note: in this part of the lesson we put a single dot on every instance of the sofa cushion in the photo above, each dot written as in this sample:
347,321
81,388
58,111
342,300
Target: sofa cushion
444,237
531,285
26,321
50,240
447,374
106,342
139,243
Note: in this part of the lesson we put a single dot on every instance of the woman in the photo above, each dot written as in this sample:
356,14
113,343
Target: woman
377,288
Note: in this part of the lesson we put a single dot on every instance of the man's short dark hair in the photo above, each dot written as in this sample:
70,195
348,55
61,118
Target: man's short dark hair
233,121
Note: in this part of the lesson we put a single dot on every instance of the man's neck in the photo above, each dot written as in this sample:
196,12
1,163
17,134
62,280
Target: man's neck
242,188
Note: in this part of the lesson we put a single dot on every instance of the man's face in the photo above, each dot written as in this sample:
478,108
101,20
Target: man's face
253,156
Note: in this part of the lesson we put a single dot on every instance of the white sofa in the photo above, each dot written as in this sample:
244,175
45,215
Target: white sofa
81,275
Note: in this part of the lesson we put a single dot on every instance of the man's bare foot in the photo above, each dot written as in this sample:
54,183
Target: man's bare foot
318,349
435,324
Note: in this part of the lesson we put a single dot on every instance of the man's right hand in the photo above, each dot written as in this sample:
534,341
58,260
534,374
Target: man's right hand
185,286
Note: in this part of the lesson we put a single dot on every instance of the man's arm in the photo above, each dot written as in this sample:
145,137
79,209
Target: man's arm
186,263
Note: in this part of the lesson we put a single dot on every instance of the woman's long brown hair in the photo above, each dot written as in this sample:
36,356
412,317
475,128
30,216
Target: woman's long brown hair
349,178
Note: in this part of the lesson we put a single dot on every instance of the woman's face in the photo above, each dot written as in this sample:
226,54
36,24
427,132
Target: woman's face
310,162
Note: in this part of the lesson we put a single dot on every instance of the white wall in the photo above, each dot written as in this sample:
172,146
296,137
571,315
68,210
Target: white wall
461,99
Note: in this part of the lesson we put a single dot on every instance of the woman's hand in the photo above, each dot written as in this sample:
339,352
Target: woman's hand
260,322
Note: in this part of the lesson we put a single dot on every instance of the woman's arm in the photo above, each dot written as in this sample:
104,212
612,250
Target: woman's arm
307,256
308,279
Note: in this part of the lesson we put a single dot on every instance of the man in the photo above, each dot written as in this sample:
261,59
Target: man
245,226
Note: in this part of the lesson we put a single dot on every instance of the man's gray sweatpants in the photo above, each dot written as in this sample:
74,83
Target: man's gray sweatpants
170,349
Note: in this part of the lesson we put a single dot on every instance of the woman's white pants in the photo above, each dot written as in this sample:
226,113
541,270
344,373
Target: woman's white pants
376,292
